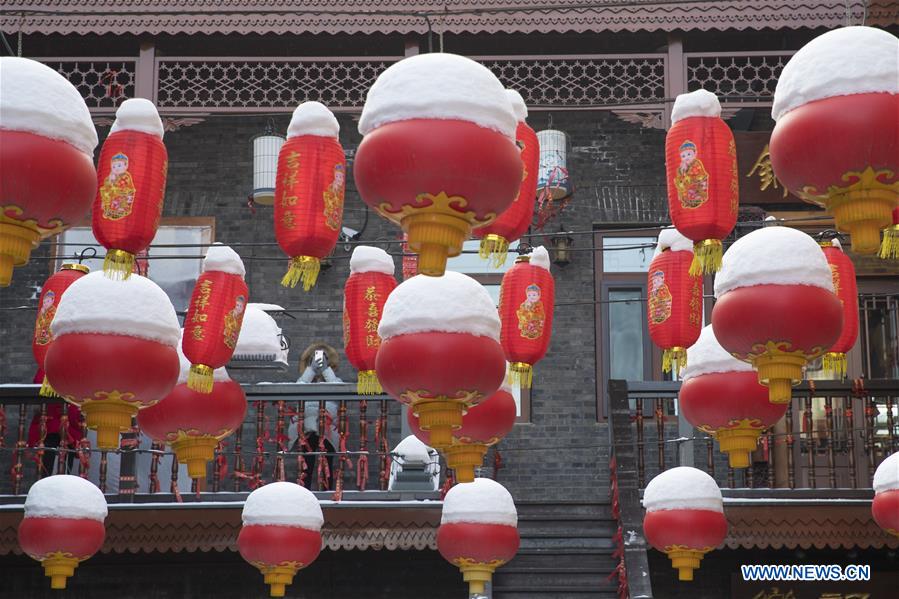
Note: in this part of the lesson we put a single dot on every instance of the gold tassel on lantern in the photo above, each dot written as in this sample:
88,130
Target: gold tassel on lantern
47,389
707,255
675,357
200,378
302,268
368,383
118,264
495,249
889,247
834,363
521,374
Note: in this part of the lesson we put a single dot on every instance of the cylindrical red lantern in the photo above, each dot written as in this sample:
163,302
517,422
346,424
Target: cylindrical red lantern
684,517
114,350
309,192
483,425
215,315
776,308
281,532
47,143
514,222
51,293
703,182
366,290
721,396
885,507
478,530
131,175
526,301
438,156
846,289
63,524
673,299
889,247
440,350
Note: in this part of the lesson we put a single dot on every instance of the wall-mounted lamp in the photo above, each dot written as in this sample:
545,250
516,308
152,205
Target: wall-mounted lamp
561,242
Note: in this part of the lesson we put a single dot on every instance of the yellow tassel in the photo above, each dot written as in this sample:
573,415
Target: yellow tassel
834,364
889,247
368,383
707,256
521,374
675,357
118,264
302,268
47,389
200,378
495,249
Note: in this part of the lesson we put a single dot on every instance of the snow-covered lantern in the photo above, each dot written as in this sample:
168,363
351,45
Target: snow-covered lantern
63,524
478,530
281,532
885,507
684,517
553,174
266,148
260,337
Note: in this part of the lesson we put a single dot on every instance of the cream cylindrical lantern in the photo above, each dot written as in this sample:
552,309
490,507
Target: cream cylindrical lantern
265,167
553,163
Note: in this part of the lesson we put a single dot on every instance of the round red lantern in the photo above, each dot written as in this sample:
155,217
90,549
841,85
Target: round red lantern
309,192
889,248
703,183
440,350
721,396
483,425
684,517
114,350
131,174
673,299
478,530
527,298
776,308
47,143
439,154
51,293
846,289
514,222
366,290
835,142
885,506
215,315
63,525
281,532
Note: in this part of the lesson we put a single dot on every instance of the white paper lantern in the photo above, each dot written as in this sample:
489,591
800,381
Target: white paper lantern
553,163
265,167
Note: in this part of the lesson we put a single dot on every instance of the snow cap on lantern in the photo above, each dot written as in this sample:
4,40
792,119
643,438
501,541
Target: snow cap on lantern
885,507
65,496
313,118
221,258
483,501
706,356
696,103
671,239
519,108
371,259
683,488
138,114
283,504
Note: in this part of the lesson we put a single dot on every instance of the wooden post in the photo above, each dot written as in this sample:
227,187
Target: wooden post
145,72
675,75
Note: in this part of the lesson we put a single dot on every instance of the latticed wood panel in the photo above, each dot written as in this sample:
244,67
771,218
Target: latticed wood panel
103,83
747,77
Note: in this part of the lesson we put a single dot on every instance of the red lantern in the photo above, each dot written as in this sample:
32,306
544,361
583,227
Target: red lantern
440,349
684,517
885,507
438,156
722,396
113,351
889,248
366,290
51,293
47,143
514,222
281,532
63,525
131,185
526,301
776,308
215,315
483,425
673,299
846,289
478,530
703,183
309,192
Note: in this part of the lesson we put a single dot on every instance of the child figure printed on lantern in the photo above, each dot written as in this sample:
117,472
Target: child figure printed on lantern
531,315
333,196
691,180
233,320
42,335
659,298
117,191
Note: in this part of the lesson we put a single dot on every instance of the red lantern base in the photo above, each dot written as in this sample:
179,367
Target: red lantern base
685,535
477,549
885,509
278,552
60,544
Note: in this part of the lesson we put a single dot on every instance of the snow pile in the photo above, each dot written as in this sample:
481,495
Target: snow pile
671,239
65,496
283,504
842,62
219,375
518,106
706,356
773,256
483,501
438,86
411,449
138,114
453,303
683,488
836,243
260,336
223,259
37,99
313,118
886,477
135,307
540,257
698,103
369,259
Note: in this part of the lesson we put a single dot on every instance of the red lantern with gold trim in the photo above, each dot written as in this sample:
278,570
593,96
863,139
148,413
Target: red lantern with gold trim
366,290
885,507
215,315
703,183
309,192
131,177
526,302
514,222
889,247
846,289
673,299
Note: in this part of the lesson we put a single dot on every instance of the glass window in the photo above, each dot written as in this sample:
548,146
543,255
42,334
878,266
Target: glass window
626,334
627,254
